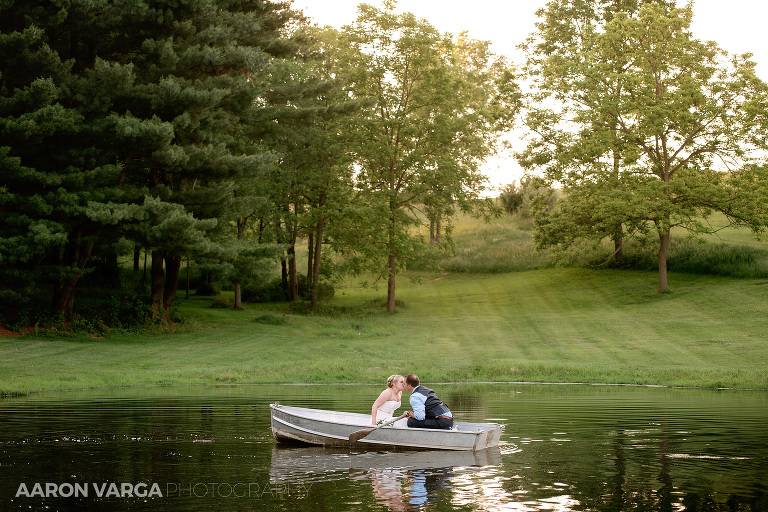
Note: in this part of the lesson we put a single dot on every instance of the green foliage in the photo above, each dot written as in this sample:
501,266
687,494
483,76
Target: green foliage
220,133
222,303
698,257
437,108
530,195
498,245
140,133
96,313
313,181
507,244
645,112
120,309
207,289
511,197
275,291
326,291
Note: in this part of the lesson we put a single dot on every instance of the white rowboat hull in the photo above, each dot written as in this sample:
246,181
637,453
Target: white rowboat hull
332,428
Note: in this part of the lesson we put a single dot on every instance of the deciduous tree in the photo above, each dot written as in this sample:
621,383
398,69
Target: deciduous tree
438,107
645,126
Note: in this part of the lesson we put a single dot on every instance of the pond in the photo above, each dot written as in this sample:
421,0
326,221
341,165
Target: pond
564,448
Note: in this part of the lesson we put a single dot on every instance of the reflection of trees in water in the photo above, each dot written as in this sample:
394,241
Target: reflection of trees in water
665,493
467,402
648,474
618,497
694,502
656,466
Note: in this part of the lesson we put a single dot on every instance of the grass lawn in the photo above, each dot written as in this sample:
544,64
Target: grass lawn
548,325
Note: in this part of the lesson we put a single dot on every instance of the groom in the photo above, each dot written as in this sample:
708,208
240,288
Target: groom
428,410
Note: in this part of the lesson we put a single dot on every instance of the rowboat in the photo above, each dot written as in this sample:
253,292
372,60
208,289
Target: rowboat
333,428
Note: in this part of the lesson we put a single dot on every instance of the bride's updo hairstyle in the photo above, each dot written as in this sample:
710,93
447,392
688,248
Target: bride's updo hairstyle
392,379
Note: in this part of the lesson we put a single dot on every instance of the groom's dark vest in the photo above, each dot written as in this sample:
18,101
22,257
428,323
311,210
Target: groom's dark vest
433,407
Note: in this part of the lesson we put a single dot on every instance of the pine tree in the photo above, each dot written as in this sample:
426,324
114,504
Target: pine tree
54,162
150,117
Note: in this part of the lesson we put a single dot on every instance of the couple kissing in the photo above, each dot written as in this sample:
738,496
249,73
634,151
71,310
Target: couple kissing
428,411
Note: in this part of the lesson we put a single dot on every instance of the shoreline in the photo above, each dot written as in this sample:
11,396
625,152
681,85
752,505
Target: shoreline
11,395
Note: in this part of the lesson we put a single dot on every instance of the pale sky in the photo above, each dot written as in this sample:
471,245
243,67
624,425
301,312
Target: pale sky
736,25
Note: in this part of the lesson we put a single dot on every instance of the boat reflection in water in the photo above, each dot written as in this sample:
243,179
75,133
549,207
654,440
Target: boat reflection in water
406,489
399,480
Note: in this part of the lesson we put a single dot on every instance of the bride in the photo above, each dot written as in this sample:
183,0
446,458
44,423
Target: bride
389,399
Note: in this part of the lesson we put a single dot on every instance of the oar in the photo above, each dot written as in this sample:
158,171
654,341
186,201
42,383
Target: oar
359,434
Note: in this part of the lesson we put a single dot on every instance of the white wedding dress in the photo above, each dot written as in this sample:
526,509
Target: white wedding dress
385,412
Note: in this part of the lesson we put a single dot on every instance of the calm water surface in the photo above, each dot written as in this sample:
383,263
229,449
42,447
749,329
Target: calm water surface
565,448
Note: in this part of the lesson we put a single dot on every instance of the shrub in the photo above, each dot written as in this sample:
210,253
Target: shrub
325,291
694,257
222,303
690,256
530,193
274,291
208,289
511,197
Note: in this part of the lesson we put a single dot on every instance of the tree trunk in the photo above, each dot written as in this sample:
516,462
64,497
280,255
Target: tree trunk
63,297
293,279
172,271
618,233
76,255
310,257
238,289
144,275
665,234
391,243
136,258
663,251
391,283
280,238
435,226
618,244
284,277
292,230
156,286
316,265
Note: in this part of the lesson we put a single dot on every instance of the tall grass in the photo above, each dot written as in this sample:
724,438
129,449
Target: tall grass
719,259
505,244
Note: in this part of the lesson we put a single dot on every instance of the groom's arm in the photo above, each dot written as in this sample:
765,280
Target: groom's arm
417,404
